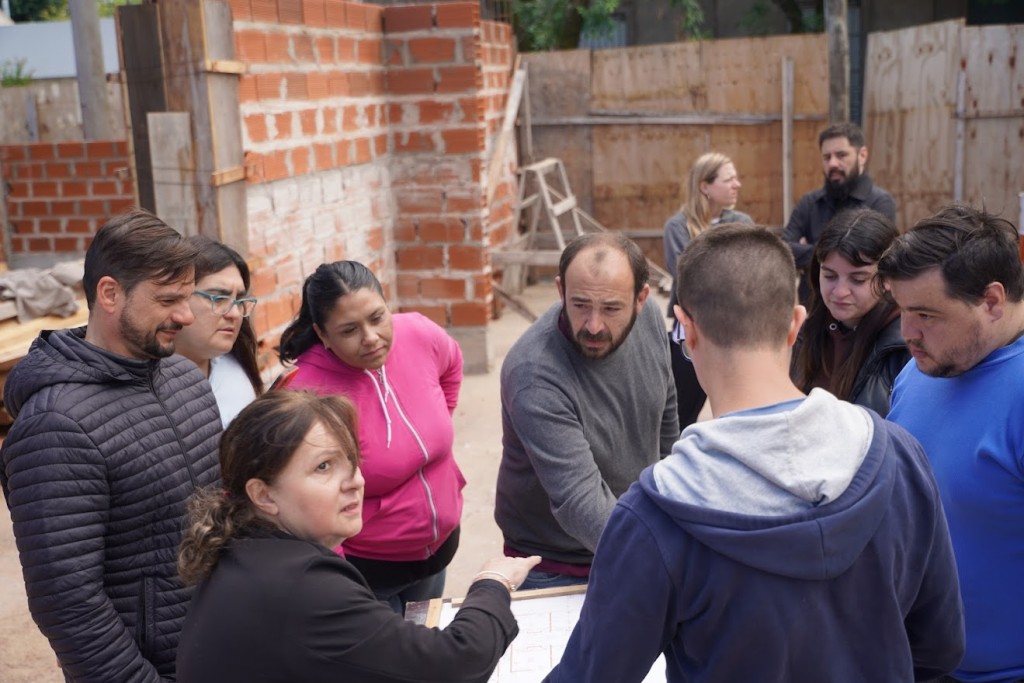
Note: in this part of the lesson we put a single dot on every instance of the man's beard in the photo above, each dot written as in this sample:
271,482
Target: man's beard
838,189
606,336
146,342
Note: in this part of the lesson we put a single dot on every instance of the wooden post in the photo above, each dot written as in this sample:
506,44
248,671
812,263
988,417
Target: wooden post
92,88
174,169
5,232
201,77
787,138
961,126
838,38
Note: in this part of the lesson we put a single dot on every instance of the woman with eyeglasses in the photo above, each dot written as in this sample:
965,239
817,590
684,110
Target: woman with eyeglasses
403,372
712,190
222,341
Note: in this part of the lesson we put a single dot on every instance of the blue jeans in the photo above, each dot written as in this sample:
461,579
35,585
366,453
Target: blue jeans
424,589
536,579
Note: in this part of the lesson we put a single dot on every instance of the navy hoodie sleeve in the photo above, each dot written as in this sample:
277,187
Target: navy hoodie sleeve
641,610
935,622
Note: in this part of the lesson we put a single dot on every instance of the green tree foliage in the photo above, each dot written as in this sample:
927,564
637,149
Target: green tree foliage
38,10
49,10
799,22
13,73
558,24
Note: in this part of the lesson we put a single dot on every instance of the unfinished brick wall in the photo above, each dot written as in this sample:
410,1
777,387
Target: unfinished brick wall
497,52
59,194
315,133
366,132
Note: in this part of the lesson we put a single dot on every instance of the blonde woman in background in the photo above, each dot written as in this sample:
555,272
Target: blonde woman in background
711,193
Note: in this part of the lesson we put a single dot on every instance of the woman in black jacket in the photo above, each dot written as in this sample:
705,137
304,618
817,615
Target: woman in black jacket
851,343
275,603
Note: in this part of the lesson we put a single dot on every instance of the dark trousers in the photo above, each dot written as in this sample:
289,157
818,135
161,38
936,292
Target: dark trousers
690,396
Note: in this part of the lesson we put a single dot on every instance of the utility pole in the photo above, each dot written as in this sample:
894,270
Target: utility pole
838,37
92,79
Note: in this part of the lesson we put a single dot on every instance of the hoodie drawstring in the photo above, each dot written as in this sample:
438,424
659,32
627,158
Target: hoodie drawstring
382,396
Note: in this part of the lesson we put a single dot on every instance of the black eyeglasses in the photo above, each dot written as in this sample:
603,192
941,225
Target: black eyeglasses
221,303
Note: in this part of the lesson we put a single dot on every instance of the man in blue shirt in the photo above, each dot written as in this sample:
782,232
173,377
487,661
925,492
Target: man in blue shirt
959,283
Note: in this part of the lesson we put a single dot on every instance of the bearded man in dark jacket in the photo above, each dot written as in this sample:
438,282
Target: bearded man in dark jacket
111,434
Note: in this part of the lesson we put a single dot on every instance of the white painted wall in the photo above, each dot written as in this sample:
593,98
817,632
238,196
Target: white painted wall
49,50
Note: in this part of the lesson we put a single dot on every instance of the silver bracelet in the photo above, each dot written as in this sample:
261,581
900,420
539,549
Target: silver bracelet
504,579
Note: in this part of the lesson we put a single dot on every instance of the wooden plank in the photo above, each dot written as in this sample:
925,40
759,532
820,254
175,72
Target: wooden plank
515,98
559,85
5,245
31,118
225,127
231,175
787,138
640,172
743,74
139,44
993,173
182,35
16,338
174,172
226,66
526,258
654,78
910,99
643,119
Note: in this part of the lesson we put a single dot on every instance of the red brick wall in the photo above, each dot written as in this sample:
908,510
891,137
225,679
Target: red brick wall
498,49
61,193
366,129
315,131
435,81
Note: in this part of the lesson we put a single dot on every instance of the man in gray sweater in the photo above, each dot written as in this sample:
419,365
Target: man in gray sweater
587,402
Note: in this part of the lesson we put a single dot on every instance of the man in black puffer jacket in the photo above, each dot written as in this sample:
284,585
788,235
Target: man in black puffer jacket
111,434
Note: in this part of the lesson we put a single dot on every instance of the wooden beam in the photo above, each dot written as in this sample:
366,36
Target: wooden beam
526,258
650,119
958,144
174,170
138,28
229,175
787,138
838,38
514,303
1007,114
515,96
226,66
92,81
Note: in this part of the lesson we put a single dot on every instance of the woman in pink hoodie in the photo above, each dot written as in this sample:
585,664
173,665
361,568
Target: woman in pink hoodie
403,373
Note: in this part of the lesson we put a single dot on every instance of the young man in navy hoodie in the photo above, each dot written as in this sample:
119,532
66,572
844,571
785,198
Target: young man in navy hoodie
792,538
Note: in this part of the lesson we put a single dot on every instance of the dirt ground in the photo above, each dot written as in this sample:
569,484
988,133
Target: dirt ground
25,656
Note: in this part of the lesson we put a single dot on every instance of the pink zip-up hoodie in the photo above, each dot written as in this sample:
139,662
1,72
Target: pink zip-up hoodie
413,498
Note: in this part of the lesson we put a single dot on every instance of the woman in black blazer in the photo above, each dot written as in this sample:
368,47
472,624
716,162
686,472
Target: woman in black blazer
274,603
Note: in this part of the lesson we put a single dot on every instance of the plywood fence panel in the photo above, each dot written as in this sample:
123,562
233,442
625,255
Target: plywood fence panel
909,106
994,106
743,75
640,172
559,85
639,168
667,78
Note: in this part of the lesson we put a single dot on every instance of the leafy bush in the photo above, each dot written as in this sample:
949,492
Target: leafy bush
13,72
